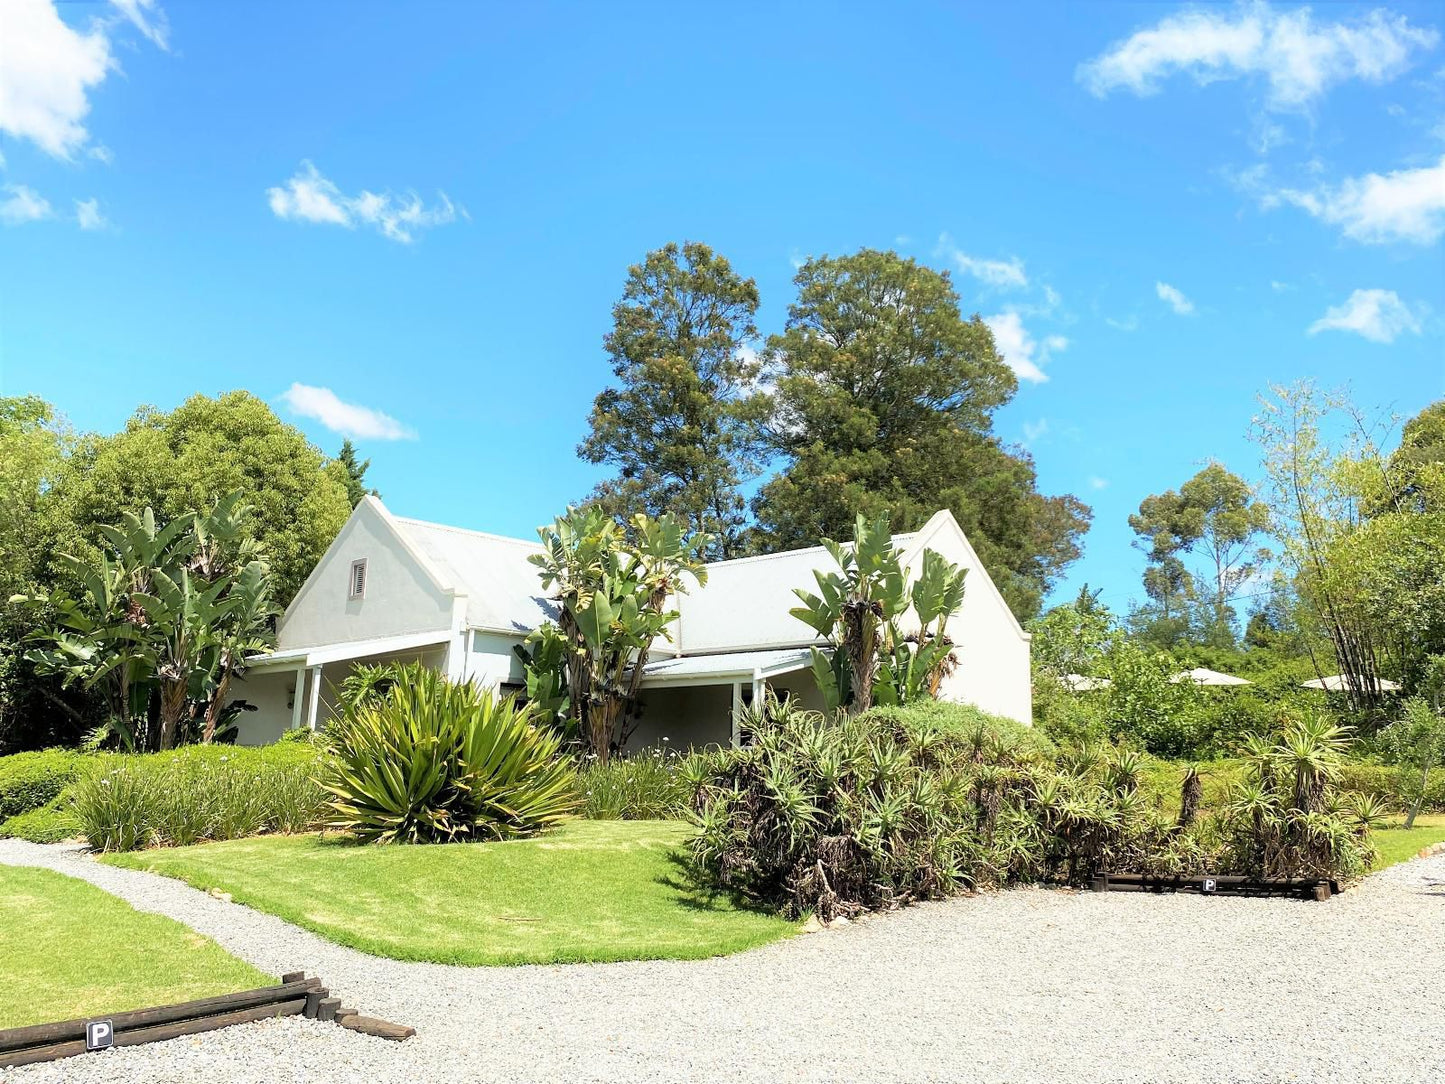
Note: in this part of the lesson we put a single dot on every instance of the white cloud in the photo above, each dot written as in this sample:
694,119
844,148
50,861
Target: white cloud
1299,58
1034,430
1129,323
48,72
348,419
1174,298
50,68
1007,274
147,17
88,215
1279,287
1019,350
1405,205
1095,482
23,205
310,197
1378,315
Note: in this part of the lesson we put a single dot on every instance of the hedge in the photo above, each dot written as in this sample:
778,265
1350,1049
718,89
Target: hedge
51,823
1388,783
31,780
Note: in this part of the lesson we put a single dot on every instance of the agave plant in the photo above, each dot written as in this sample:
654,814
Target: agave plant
426,761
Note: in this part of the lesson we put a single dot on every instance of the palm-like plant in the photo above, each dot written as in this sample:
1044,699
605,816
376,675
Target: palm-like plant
612,600
162,621
859,609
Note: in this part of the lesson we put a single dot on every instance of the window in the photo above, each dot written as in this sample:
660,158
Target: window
358,578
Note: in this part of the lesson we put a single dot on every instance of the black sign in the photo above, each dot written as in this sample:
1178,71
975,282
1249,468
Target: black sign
1208,885
99,1035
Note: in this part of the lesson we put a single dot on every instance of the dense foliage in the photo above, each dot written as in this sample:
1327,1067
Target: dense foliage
1287,817
31,780
162,621
613,592
650,784
876,810
418,759
681,428
861,609
898,804
194,795
59,490
882,402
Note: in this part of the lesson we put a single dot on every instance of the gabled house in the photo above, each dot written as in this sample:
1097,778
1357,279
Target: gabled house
392,588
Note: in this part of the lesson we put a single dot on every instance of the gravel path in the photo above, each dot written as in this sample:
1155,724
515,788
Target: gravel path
1026,985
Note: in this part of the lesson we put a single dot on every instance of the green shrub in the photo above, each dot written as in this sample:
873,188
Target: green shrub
197,794
50,823
648,785
962,721
31,780
874,811
422,760
1392,786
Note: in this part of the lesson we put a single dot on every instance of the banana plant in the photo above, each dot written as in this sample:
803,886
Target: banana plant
162,621
612,587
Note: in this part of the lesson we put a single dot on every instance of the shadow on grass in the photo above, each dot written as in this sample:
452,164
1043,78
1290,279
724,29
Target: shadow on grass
694,894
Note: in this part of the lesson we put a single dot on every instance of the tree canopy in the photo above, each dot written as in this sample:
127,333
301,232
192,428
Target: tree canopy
883,402
189,458
680,428
1215,516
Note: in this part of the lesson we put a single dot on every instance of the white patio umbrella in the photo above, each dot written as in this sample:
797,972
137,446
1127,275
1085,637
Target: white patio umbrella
1336,683
1080,684
1202,676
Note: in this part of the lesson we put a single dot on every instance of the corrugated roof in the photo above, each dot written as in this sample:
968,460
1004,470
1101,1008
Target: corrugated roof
746,601
741,663
502,588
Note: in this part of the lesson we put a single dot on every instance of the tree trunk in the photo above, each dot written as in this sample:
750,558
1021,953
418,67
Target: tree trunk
1419,803
216,705
173,703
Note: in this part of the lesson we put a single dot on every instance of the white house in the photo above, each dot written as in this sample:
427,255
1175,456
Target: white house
395,588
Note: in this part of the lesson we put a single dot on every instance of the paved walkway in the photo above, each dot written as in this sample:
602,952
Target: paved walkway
1026,985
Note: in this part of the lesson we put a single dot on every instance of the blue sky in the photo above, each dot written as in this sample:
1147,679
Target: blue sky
426,211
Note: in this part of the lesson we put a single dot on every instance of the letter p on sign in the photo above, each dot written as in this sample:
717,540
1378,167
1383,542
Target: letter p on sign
99,1035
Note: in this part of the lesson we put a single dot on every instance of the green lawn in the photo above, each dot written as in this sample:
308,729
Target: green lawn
69,950
591,891
1397,845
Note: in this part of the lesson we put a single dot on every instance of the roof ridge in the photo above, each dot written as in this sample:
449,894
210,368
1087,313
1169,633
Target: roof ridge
468,531
801,549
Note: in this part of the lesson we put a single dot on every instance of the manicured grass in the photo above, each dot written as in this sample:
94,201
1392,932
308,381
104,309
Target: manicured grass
69,950
591,891
1394,844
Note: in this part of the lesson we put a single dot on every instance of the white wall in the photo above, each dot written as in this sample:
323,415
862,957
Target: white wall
490,659
270,692
400,597
992,650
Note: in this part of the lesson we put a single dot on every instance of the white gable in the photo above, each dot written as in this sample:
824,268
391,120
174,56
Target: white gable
503,591
403,594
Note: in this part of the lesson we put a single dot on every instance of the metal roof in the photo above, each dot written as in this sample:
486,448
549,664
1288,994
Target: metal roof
743,665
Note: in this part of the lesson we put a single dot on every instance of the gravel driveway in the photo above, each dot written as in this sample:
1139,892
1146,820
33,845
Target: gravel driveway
1026,985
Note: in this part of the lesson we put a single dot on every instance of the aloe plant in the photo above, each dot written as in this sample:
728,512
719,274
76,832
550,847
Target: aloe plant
421,760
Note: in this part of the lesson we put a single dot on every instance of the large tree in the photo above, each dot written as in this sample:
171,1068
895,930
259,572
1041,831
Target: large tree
1215,516
680,429
35,709
883,402
1363,534
187,459
353,473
